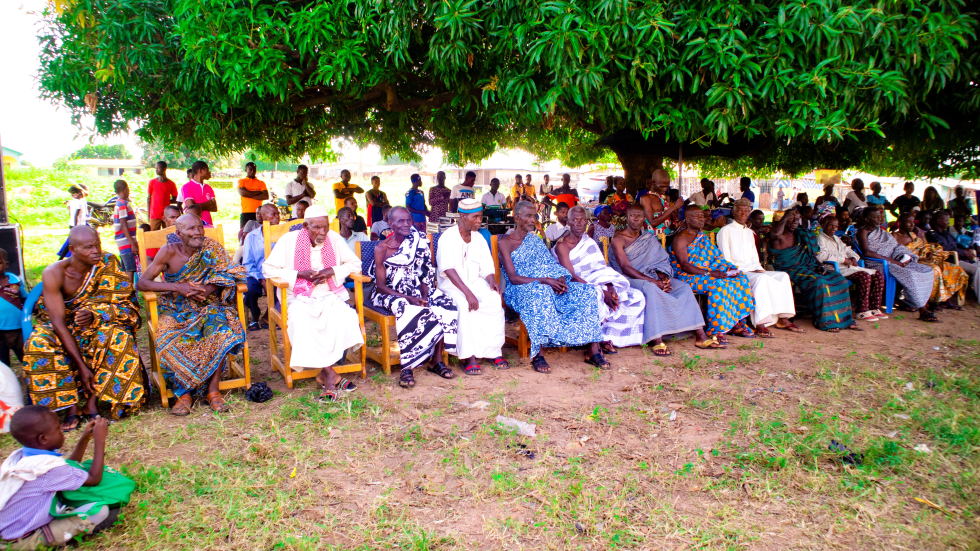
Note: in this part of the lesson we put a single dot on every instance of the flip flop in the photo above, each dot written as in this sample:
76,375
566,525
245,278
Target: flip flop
182,408
764,332
501,363
217,402
931,318
346,386
709,344
473,369
660,350
599,361
68,420
608,348
792,328
327,396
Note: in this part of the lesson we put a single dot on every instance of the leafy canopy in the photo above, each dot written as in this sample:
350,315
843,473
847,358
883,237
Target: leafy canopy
792,84
102,151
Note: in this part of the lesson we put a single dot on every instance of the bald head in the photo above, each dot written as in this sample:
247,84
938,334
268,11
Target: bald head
188,220
660,176
268,210
82,234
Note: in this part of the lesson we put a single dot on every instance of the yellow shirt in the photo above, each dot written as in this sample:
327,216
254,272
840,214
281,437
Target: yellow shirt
526,189
339,203
251,184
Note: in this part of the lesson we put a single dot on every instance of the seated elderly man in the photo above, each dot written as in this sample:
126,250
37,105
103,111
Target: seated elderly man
198,325
699,263
772,291
555,310
671,307
253,258
621,307
84,335
916,279
467,275
315,261
405,284
824,291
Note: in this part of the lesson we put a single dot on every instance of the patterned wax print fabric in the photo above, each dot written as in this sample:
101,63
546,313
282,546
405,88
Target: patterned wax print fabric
193,337
667,313
552,320
916,279
624,325
948,279
601,232
826,294
420,328
108,345
438,202
664,227
619,206
729,299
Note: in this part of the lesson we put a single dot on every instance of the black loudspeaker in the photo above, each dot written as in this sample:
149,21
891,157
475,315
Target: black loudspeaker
10,242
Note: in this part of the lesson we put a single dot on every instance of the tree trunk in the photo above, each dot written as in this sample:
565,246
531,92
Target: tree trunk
638,166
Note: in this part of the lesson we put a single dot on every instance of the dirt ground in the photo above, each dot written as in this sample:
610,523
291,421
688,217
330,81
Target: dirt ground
702,450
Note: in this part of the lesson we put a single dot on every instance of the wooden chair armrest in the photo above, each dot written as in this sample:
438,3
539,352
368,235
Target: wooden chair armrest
242,287
149,296
278,283
359,277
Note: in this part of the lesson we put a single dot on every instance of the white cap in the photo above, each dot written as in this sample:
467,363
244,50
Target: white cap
315,211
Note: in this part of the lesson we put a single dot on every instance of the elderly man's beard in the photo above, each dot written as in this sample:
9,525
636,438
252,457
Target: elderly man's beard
320,239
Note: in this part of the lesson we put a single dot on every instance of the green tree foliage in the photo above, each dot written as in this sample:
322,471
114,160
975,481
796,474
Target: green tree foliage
175,156
791,84
264,164
102,151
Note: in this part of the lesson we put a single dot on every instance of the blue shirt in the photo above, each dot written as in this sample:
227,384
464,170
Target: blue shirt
749,195
10,315
254,256
416,199
872,200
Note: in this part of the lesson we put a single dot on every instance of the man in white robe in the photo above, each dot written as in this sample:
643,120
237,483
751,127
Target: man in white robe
315,261
466,274
772,291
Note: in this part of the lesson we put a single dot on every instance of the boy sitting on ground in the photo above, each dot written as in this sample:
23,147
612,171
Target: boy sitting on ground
31,475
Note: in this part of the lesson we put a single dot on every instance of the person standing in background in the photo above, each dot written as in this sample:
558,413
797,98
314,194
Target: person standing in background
124,226
253,192
77,208
196,192
415,201
160,192
301,188
494,198
462,191
342,189
438,198
377,200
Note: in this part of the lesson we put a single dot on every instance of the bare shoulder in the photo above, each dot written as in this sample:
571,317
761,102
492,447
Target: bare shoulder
54,273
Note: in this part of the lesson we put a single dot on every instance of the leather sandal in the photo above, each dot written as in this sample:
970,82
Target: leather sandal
183,406
217,403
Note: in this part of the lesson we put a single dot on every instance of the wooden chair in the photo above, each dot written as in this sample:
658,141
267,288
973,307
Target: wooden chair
278,316
240,375
390,354
522,342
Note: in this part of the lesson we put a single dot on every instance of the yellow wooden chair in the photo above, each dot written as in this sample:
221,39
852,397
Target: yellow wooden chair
522,342
278,316
239,374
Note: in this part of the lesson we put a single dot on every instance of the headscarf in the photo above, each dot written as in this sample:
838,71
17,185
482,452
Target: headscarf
598,210
824,210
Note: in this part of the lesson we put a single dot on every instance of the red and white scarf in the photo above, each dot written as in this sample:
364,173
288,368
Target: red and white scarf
301,263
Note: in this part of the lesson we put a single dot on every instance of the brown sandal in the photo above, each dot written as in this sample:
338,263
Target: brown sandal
183,406
217,403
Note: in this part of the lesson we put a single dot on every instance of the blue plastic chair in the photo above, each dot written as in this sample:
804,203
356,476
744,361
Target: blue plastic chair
26,320
890,283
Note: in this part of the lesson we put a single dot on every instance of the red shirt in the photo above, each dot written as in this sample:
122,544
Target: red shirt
160,194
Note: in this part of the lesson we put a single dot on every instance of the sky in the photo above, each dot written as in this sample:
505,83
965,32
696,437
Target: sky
35,127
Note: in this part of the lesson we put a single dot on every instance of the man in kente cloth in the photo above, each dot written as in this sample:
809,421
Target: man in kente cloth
468,276
84,342
315,261
697,261
825,292
405,284
671,307
198,325
555,310
620,306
